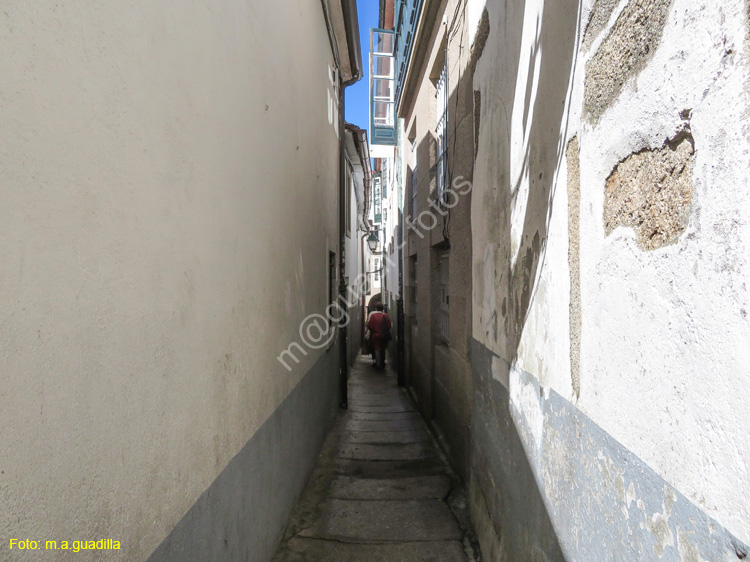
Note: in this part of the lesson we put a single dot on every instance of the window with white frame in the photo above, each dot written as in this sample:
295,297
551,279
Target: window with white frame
382,87
377,200
441,130
444,298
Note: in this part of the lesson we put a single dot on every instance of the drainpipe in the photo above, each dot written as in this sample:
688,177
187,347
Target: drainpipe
364,295
360,137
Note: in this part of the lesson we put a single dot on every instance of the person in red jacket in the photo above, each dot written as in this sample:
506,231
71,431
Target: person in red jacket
380,334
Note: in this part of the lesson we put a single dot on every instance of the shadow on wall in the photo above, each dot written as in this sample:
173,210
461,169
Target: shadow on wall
243,513
522,132
523,180
426,230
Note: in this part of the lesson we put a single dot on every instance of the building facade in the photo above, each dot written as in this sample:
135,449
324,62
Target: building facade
169,217
357,281
604,254
432,230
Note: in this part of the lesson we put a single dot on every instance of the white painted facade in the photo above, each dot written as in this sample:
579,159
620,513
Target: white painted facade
357,250
665,354
390,234
169,201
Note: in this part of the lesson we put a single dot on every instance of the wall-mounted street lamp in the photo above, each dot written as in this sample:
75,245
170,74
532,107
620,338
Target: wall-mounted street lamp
373,241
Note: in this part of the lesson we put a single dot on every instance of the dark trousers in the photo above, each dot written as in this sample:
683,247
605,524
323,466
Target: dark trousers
380,359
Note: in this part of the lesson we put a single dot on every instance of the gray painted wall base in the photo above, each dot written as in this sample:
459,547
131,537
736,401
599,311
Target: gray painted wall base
583,496
243,514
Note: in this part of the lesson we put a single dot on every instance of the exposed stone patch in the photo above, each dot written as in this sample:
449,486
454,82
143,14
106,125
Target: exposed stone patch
600,14
574,262
480,41
651,191
624,53
477,120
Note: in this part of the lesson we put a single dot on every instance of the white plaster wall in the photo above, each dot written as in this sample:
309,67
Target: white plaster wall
354,249
665,354
669,328
391,232
168,202
475,8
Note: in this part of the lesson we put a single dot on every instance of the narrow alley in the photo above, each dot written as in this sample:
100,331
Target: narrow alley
381,490
535,213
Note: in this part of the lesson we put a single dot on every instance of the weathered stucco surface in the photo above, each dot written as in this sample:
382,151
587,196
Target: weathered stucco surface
586,223
625,51
576,493
666,359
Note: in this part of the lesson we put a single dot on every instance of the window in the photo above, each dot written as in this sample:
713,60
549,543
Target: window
385,178
382,87
444,298
406,16
377,269
441,130
377,200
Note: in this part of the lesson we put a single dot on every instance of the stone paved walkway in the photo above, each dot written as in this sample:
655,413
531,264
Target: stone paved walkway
380,490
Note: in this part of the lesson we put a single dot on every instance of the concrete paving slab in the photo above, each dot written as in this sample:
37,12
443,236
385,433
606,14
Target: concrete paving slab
415,436
376,389
305,550
377,400
398,400
355,408
380,490
389,521
420,488
357,398
382,425
383,416
387,451
371,382
387,469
